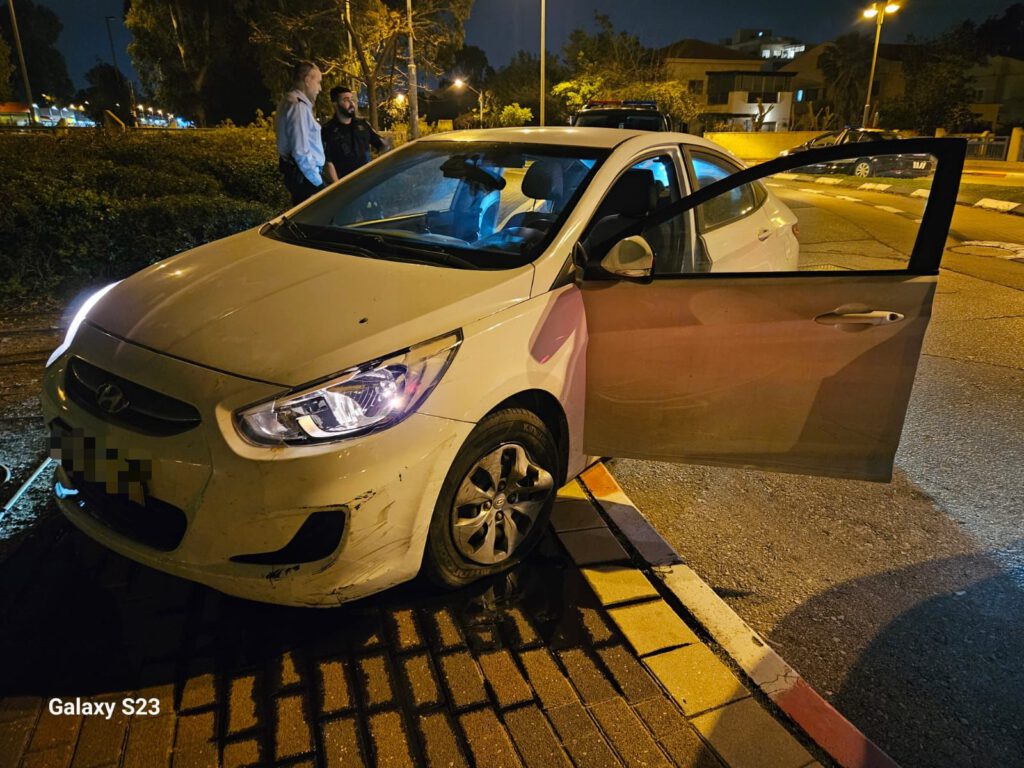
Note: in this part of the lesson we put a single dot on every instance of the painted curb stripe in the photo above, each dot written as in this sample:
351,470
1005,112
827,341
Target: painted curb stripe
825,725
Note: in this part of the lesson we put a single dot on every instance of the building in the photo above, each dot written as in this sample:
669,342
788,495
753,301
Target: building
999,91
764,45
729,83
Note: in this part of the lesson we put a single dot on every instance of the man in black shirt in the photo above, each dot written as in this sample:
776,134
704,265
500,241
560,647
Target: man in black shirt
347,138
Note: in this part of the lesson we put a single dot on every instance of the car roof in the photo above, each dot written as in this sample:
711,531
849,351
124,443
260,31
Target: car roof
603,138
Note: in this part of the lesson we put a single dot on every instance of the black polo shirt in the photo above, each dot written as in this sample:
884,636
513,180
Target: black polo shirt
348,146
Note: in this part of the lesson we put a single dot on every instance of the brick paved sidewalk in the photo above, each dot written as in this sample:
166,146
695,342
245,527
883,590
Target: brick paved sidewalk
553,664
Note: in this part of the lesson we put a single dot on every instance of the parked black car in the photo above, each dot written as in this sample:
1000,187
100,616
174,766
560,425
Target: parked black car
903,166
635,115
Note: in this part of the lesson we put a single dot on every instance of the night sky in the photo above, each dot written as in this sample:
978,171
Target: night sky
501,27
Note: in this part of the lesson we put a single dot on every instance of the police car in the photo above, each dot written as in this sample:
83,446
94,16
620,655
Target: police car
629,114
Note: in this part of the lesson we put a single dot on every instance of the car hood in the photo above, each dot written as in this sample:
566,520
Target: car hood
287,314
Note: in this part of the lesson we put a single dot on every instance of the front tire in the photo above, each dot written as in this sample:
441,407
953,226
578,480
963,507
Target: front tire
862,168
495,501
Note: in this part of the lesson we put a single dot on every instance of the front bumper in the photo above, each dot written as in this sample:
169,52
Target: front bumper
240,500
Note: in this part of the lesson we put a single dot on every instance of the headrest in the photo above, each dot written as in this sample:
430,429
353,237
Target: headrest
634,194
543,180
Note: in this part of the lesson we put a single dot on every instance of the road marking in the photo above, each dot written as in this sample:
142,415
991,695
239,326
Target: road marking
828,181
812,191
872,185
770,184
920,193
1008,251
889,209
917,221
851,199
786,176
997,205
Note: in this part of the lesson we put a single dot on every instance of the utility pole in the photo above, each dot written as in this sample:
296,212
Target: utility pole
877,11
414,115
543,89
117,68
21,60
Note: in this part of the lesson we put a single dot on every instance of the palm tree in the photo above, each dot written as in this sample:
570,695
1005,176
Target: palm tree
846,64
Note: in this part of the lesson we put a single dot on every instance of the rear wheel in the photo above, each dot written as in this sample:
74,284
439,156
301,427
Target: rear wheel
495,501
862,168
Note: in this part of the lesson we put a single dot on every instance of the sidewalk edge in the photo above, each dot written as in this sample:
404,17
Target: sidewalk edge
825,725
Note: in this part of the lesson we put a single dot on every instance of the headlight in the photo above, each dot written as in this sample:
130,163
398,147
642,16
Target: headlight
368,397
78,320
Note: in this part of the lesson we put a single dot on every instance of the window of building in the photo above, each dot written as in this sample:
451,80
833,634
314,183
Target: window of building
696,87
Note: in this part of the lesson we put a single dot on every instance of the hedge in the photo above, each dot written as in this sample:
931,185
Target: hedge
80,206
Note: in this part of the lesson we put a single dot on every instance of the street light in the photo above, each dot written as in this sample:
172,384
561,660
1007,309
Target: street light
877,11
543,16
460,83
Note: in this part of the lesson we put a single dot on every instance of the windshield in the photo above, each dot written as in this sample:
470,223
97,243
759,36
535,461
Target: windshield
472,205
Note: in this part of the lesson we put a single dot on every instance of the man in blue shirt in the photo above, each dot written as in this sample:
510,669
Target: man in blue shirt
299,147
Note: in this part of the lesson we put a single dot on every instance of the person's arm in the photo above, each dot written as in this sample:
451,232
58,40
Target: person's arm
377,141
300,144
330,172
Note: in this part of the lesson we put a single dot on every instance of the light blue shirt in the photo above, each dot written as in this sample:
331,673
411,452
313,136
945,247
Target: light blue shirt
298,135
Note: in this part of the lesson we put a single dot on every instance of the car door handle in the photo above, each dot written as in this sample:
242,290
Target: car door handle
875,317
764,234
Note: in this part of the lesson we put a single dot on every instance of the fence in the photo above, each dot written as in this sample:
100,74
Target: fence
994,148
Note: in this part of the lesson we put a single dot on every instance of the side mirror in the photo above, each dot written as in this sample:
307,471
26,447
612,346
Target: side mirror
631,258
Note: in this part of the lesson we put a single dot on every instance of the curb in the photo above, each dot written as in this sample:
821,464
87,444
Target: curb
823,724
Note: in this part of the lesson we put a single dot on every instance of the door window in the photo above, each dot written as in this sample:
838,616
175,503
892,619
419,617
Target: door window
732,205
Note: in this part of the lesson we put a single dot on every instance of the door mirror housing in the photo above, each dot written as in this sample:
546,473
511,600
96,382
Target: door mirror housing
630,259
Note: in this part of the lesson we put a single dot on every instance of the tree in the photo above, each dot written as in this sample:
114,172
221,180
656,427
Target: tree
1004,35
196,58
762,114
39,28
518,82
513,116
846,65
6,70
108,90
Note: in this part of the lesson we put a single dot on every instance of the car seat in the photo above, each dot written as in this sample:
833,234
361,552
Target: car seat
622,212
544,181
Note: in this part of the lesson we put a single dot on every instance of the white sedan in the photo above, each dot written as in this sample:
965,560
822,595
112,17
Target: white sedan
401,372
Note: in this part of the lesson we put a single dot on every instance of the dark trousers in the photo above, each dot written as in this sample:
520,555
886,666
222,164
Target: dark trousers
295,181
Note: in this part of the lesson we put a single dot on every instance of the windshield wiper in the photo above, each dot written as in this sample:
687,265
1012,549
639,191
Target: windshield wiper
293,229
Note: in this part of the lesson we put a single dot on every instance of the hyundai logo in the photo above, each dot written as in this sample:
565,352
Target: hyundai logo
110,398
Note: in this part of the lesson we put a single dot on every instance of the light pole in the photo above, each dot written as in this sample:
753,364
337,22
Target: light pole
543,15
21,59
414,115
460,83
877,11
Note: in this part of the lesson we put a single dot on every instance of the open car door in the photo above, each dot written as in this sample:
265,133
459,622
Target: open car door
805,367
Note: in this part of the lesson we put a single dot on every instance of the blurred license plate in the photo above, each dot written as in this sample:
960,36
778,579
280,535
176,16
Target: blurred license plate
88,459
920,163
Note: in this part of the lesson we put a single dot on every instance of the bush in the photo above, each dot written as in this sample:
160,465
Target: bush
88,206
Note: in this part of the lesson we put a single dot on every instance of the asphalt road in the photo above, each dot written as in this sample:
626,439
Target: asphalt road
902,603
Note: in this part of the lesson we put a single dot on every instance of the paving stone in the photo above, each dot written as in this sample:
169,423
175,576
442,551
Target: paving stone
238,754
289,674
614,584
489,742
100,740
463,679
585,743
15,708
335,686
677,737
242,704
390,742
199,690
55,757
447,635
746,736
547,679
440,744
404,631
592,546
292,736
521,630
652,626
632,678
149,741
571,490
375,676
506,681
594,625
54,731
194,742
627,734
695,678
14,737
584,674
421,681
536,741
571,514
341,743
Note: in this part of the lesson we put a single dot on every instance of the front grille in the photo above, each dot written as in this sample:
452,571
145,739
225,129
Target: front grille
154,523
126,403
